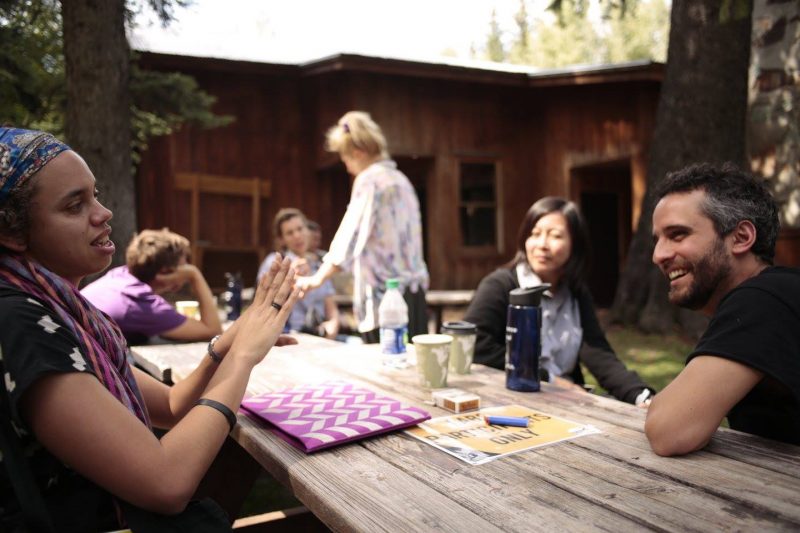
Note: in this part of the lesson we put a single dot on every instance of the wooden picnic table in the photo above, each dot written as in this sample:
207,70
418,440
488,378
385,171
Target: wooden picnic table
610,481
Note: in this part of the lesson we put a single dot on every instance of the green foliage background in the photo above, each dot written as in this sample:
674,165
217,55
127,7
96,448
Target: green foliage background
658,359
627,31
33,84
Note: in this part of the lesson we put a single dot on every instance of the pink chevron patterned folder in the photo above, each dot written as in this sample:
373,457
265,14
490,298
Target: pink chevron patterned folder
315,417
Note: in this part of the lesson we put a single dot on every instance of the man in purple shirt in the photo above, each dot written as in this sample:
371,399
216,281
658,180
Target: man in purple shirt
131,294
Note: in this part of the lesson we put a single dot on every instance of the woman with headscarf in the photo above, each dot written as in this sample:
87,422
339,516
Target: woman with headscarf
75,418
553,247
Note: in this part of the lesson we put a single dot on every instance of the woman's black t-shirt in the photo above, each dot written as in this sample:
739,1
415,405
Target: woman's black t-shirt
34,343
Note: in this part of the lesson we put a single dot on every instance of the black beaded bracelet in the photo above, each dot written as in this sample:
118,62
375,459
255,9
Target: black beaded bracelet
221,407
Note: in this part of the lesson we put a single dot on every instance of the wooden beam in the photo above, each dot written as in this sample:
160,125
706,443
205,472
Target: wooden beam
226,185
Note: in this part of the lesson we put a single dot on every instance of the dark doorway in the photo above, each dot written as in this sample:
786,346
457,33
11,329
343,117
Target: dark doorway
333,194
600,210
418,169
603,192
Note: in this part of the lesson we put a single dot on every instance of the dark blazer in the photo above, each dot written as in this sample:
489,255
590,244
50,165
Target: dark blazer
488,311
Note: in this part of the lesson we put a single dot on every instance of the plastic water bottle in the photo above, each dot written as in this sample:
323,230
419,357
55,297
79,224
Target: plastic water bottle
393,324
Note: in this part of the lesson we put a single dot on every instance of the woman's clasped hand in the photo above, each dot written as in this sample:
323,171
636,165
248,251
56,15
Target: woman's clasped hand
260,327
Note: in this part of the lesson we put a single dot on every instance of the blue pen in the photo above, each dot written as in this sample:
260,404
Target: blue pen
518,421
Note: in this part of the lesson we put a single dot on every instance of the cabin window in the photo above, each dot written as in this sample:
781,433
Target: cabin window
478,204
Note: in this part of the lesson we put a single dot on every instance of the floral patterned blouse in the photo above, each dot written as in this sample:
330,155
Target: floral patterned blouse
380,237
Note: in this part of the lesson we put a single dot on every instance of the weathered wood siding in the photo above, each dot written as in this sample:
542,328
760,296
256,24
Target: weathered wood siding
538,131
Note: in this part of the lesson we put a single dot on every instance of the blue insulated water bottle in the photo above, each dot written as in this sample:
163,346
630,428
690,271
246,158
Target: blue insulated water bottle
233,295
523,338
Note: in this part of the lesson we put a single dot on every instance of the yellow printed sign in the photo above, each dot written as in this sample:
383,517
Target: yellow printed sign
468,437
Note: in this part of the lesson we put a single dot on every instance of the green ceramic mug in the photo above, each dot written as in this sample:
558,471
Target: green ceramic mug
462,349
433,353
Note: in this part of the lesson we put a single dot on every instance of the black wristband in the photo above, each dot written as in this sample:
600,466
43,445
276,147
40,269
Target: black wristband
221,407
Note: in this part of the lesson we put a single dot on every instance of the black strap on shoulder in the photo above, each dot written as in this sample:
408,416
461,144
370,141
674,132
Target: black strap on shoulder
34,511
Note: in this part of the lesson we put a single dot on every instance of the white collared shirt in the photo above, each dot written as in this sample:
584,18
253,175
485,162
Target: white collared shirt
561,331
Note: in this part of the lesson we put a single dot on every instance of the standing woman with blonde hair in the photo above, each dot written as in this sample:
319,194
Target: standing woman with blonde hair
380,236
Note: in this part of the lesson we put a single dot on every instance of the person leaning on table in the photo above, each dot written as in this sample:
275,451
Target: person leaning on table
156,264
76,420
552,247
715,231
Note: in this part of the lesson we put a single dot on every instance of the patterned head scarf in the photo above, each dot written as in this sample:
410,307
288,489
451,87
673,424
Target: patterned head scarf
23,153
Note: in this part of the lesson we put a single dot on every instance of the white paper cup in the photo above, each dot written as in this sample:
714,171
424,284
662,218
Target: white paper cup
433,353
188,308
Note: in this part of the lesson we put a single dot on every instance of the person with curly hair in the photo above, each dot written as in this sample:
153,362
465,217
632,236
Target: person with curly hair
157,263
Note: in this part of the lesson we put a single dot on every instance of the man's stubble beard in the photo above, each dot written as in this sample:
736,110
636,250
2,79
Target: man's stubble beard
708,274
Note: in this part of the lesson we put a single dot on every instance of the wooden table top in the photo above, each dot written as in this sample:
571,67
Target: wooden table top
611,481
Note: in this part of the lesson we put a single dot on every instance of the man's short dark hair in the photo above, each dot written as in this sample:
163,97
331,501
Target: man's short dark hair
732,195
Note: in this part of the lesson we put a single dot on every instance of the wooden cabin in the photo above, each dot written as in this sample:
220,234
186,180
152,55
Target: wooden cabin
480,145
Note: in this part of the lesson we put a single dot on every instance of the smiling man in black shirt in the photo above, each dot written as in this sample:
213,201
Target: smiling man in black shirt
715,231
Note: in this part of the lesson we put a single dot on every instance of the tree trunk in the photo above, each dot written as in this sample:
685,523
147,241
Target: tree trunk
700,117
98,122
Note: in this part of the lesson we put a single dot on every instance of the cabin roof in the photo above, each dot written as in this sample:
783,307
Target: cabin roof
445,68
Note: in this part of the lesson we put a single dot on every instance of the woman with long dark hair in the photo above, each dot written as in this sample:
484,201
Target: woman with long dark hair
553,247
